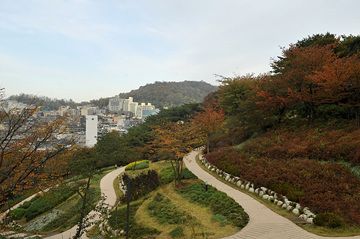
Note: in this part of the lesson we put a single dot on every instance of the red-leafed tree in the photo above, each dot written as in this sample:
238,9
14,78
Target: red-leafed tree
272,95
341,82
209,121
297,68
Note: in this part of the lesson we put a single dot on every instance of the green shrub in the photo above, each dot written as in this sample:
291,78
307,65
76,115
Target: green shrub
220,218
141,184
41,205
117,220
164,211
47,201
187,174
218,201
177,233
26,205
132,166
142,165
167,175
328,219
290,191
16,214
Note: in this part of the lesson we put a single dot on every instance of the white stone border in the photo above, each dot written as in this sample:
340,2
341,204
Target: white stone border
262,192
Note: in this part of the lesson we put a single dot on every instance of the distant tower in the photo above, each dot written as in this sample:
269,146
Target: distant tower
91,130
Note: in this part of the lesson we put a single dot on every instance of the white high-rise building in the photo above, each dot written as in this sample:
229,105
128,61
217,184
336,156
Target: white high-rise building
116,104
91,130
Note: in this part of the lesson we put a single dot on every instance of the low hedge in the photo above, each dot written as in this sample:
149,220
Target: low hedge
135,165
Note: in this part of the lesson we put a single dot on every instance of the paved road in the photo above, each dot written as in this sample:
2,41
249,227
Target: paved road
263,223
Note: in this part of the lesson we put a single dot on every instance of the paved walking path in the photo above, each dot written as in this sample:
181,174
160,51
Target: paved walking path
263,223
107,189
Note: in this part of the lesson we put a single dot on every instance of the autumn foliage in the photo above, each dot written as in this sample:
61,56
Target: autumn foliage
209,121
30,154
324,187
173,141
298,125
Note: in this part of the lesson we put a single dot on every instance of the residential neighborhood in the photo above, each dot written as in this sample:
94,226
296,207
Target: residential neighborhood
88,122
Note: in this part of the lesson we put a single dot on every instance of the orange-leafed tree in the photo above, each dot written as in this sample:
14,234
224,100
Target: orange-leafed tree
297,68
272,95
174,141
209,121
30,154
341,81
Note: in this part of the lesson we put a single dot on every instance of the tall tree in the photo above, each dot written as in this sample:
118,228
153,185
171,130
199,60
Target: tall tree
341,81
209,121
85,162
236,99
175,140
272,95
297,67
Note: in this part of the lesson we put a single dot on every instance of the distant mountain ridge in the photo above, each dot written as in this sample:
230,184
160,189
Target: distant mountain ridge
160,94
170,94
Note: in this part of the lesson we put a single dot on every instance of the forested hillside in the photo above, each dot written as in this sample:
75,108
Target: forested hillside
169,94
46,102
160,94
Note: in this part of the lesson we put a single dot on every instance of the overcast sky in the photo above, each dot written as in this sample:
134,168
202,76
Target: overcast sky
87,49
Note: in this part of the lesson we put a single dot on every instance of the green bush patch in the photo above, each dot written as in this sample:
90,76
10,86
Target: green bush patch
290,191
329,220
167,175
164,211
117,221
220,218
218,201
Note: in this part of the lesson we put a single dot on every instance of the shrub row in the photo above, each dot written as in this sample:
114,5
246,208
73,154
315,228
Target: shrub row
140,185
137,165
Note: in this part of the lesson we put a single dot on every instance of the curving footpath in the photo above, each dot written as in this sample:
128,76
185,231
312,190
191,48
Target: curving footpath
107,189
263,222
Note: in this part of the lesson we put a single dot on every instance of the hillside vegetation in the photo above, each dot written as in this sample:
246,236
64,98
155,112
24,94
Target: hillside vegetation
160,94
170,94
296,131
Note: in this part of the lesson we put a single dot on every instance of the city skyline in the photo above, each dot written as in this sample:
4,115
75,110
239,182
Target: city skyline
87,49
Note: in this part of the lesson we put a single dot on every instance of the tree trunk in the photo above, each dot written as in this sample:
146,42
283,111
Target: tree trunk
357,116
180,170
208,145
80,229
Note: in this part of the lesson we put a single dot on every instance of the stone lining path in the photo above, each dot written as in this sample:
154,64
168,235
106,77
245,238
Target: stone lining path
263,223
